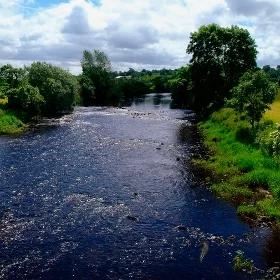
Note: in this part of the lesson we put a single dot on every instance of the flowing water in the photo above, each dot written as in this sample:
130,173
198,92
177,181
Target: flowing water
109,193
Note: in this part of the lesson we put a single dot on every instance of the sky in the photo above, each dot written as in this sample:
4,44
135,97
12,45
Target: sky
150,34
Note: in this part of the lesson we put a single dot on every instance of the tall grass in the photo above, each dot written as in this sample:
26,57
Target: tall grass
9,123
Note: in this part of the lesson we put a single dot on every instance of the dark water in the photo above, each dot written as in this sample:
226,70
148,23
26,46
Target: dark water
99,196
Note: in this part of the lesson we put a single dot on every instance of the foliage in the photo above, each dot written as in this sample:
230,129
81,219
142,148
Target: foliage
129,88
26,98
272,73
11,77
240,263
57,86
220,56
9,123
271,142
238,170
179,85
87,90
96,80
253,95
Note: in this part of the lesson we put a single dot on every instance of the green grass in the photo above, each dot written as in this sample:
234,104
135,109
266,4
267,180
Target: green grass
274,112
238,170
10,123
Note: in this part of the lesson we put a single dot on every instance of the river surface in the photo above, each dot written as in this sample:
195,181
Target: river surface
100,195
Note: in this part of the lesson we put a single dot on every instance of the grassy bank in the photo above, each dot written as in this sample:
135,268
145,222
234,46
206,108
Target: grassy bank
237,168
10,122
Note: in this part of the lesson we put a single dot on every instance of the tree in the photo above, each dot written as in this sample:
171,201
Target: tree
179,86
253,95
57,86
12,77
96,81
26,98
220,56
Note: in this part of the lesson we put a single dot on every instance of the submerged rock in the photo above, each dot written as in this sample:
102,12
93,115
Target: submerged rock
181,227
131,218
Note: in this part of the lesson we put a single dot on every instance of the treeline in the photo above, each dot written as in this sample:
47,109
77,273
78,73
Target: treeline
101,86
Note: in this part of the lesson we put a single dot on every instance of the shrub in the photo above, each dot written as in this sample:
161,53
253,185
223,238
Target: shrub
26,98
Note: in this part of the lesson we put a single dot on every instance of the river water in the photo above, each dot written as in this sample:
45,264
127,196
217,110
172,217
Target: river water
100,195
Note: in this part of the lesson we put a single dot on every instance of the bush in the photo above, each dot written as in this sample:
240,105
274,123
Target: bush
270,141
26,98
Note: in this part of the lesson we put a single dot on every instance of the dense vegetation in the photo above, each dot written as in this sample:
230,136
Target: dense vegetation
234,96
30,92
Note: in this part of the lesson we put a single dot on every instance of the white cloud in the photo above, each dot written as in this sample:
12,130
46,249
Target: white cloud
140,34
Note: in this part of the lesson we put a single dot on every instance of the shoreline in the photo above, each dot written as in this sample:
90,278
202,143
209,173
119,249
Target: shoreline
235,172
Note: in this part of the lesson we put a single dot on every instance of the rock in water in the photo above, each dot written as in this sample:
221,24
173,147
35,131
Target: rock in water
131,218
181,227
204,250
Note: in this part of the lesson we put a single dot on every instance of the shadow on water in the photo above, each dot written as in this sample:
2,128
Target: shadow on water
109,193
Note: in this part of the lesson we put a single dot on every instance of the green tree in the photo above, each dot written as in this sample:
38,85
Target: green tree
253,95
12,77
179,85
27,99
220,56
57,86
96,80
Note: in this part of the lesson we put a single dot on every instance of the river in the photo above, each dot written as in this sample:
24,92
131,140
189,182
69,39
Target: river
109,193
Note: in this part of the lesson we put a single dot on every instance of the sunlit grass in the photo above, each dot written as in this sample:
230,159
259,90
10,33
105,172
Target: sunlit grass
9,123
274,112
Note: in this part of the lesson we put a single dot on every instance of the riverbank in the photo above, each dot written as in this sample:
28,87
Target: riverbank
237,170
10,123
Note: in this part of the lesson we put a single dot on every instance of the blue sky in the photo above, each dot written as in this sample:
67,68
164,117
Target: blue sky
134,33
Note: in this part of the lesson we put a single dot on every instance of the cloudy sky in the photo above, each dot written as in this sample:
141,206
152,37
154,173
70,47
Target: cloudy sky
140,34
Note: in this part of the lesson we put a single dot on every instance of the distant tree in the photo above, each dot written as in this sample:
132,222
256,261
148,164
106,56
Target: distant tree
272,73
179,86
220,56
253,95
96,80
57,86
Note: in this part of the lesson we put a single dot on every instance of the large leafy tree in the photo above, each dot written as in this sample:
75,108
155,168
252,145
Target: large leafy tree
96,80
253,95
11,77
57,86
220,56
